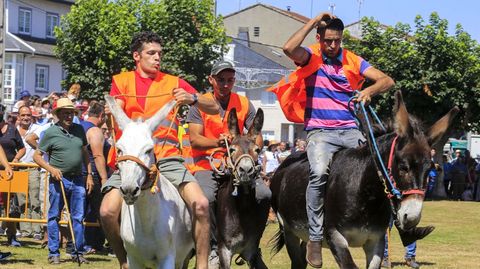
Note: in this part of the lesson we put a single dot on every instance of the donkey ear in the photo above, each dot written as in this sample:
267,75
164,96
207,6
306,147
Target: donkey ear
256,127
440,128
119,115
402,124
233,123
155,120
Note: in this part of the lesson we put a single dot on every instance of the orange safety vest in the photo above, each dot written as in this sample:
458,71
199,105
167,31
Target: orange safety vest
291,91
159,94
214,125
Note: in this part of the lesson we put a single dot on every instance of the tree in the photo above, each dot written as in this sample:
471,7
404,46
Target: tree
94,37
434,70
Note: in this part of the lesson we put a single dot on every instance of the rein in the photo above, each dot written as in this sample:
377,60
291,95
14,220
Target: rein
384,173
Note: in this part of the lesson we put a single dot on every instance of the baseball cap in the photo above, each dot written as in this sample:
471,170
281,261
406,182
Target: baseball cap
220,66
24,93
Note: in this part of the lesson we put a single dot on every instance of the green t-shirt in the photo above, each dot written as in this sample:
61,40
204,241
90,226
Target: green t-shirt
64,147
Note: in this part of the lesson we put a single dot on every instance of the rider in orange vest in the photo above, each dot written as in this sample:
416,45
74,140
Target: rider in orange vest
327,78
141,93
207,133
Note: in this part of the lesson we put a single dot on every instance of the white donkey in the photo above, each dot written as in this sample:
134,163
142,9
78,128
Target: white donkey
156,229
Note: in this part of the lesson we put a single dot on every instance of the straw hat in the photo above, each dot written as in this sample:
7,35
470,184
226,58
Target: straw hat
62,103
273,142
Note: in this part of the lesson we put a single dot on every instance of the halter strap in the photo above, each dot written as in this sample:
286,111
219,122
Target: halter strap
152,172
392,179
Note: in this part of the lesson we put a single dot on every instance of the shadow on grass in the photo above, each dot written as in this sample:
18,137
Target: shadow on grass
403,264
15,261
30,244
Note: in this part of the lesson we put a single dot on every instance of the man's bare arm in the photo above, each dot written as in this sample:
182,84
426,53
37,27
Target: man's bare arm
96,140
201,142
205,104
382,83
38,159
293,47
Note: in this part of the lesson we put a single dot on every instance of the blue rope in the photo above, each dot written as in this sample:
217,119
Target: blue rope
386,176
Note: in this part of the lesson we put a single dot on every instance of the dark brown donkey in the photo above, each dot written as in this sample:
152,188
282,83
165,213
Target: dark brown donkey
241,219
357,210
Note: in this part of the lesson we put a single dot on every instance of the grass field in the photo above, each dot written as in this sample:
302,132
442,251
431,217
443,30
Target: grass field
454,244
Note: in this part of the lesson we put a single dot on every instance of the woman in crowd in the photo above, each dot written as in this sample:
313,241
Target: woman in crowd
12,144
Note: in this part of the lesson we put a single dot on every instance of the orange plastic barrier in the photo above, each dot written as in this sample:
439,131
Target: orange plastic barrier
19,184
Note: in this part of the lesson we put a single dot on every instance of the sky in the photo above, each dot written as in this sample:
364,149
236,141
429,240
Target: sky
389,12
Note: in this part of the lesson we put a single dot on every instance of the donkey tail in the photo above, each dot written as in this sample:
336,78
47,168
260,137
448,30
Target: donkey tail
277,242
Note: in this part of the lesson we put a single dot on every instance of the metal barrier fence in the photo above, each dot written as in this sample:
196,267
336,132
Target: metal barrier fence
19,184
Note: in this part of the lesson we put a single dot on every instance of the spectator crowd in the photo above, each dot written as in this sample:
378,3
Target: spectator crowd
37,126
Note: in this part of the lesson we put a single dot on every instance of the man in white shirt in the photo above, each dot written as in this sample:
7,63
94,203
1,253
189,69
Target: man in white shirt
26,127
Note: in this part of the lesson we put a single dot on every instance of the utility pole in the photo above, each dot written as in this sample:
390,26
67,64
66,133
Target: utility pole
2,45
360,2
311,8
331,7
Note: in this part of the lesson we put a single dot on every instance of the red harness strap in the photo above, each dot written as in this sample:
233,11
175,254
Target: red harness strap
392,179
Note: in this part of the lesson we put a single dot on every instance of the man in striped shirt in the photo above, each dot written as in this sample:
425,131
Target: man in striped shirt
327,120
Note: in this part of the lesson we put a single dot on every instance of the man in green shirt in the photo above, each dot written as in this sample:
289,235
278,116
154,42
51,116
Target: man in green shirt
65,143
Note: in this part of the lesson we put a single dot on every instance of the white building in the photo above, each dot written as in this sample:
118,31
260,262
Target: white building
260,62
30,62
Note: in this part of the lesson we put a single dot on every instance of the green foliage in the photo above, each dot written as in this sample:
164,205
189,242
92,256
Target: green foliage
434,70
93,39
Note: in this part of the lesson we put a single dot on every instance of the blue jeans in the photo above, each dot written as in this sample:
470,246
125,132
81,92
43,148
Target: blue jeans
410,250
321,145
94,237
75,192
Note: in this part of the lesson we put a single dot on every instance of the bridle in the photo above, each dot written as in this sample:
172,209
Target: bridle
392,179
152,172
228,166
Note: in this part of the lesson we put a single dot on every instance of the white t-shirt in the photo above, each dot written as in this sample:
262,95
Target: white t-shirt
39,133
28,157
271,162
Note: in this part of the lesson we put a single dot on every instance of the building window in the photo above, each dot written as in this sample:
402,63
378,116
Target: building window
268,135
8,94
268,98
24,21
52,22
256,31
19,59
13,76
41,78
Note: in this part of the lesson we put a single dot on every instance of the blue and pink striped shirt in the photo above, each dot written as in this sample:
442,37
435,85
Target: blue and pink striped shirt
328,92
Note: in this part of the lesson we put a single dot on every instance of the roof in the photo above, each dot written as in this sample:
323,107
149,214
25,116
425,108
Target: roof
29,45
355,29
15,44
42,48
287,13
274,54
68,2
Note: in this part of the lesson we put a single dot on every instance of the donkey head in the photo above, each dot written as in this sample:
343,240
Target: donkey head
137,142
411,161
243,149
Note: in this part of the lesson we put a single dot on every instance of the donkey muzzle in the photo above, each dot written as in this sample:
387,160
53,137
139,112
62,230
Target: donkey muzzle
410,211
130,194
